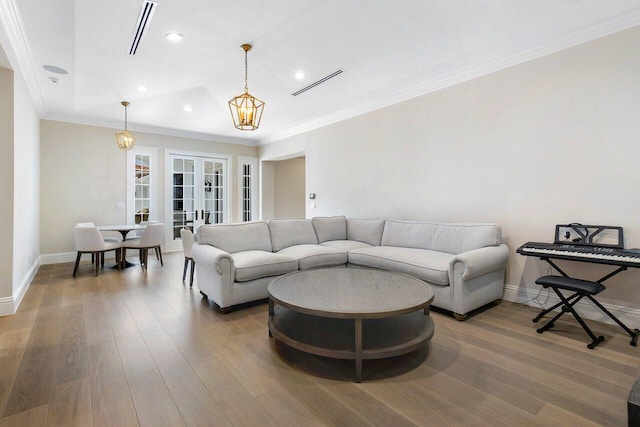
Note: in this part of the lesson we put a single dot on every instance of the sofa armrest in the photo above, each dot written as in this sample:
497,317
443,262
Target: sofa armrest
215,273
204,254
481,261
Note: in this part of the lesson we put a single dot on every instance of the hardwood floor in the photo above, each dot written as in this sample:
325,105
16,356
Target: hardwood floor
134,348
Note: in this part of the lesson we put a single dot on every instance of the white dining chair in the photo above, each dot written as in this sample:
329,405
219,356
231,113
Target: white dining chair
89,240
109,236
151,239
187,242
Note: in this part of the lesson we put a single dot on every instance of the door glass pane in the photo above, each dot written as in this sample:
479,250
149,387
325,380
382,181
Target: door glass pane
142,192
183,203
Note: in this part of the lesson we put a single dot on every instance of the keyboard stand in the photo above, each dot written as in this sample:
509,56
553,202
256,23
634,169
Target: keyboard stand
581,288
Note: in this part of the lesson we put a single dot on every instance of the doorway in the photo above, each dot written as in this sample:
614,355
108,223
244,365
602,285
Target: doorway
197,193
284,188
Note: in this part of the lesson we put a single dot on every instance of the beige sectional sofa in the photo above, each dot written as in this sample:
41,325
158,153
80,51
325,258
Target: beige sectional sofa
463,263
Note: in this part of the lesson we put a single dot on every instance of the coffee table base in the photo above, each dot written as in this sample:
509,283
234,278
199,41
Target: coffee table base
352,339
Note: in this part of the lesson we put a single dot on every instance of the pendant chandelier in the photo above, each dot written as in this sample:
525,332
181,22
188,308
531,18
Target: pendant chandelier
246,109
124,138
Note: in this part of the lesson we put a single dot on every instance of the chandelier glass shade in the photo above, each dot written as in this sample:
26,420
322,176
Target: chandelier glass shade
124,138
246,109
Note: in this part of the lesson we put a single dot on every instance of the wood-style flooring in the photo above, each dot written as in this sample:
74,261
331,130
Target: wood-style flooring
134,348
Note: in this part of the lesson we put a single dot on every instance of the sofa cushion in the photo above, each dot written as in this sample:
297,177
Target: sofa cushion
256,264
310,256
233,238
345,245
431,266
445,237
365,230
289,232
330,228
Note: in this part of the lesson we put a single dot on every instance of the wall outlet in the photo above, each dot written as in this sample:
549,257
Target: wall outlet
120,206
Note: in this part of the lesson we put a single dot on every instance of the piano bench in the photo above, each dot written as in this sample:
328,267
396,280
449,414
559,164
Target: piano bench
570,284
580,289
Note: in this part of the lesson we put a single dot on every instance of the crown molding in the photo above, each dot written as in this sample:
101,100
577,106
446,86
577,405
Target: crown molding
12,23
615,24
157,130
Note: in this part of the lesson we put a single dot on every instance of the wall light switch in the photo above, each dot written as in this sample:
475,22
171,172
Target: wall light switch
120,206
313,205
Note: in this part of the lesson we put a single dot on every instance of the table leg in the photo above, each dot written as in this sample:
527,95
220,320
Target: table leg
358,350
270,313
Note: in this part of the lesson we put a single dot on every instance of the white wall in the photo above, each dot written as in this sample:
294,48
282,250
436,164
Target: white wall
267,190
26,198
550,141
83,177
289,188
6,189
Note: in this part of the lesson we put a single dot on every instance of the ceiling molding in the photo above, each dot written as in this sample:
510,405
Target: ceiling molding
157,130
602,29
11,21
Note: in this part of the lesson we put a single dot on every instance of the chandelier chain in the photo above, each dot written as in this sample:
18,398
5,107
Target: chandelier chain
246,84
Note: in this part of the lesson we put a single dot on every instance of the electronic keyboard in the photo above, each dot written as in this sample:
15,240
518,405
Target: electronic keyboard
594,254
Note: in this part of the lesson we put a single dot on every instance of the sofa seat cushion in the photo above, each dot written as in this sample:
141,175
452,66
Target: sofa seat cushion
310,256
424,264
345,245
252,265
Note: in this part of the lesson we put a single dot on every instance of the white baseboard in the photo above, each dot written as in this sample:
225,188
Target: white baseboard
9,305
522,295
6,306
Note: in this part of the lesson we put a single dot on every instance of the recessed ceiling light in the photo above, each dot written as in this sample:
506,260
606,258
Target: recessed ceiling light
142,88
174,37
187,108
54,69
300,75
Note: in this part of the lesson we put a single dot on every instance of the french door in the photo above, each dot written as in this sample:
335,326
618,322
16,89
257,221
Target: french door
197,194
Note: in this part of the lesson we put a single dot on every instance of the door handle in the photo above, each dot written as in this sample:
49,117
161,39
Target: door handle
196,215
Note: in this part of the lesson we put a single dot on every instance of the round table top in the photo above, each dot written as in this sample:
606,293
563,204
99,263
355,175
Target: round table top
350,292
122,227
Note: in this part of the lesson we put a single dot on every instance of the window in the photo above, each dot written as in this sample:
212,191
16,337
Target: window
142,194
140,183
248,183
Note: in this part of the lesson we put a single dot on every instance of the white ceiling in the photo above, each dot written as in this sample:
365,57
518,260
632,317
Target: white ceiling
389,51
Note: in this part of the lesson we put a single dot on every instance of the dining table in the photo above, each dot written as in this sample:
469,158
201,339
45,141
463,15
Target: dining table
123,229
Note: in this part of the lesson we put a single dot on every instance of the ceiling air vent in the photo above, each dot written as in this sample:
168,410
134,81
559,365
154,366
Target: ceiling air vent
314,84
144,19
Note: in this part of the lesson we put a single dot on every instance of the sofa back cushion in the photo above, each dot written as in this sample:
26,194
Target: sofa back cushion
365,230
231,238
445,237
330,228
289,232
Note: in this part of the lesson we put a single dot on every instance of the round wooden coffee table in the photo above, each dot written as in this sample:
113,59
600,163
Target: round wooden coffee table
350,313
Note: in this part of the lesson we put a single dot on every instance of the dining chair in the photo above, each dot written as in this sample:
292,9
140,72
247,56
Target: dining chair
108,236
89,240
187,242
151,239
